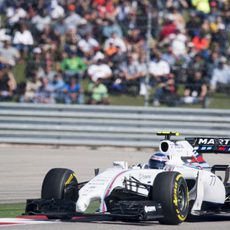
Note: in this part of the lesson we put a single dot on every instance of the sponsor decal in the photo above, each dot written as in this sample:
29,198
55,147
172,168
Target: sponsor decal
213,141
175,198
71,177
150,209
206,141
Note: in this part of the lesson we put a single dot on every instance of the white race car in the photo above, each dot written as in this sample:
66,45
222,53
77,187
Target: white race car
168,195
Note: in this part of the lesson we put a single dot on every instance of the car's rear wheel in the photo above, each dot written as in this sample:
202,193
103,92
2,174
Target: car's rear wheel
61,184
171,190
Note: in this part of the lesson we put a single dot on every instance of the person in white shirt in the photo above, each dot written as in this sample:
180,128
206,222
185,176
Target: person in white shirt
88,44
179,44
57,11
41,21
220,79
99,69
10,53
158,67
15,14
23,39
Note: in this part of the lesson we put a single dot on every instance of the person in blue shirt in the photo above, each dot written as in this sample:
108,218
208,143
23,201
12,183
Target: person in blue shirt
73,92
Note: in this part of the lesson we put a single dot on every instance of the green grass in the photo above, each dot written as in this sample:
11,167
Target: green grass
127,100
19,72
13,210
216,101
220,100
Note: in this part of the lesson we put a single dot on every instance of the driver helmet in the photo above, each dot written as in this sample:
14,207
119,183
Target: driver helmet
157,160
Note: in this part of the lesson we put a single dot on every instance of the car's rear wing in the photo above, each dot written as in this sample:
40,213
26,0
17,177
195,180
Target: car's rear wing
209,144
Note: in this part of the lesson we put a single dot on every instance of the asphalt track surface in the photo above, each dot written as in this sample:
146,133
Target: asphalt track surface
22,169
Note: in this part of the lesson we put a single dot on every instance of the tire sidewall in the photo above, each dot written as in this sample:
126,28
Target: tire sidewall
166,190
57,182
179,184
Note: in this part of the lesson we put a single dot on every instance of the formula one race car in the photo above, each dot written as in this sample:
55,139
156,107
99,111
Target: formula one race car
167,194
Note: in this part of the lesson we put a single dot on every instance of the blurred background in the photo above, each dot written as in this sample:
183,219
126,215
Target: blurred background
172,53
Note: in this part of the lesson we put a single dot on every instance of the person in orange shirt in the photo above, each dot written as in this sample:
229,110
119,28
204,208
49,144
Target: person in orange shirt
201,42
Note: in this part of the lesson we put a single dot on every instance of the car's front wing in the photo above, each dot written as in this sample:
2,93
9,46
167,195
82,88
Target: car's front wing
124,210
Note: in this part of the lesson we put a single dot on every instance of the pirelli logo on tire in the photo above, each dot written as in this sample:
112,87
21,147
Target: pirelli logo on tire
71,177
180,197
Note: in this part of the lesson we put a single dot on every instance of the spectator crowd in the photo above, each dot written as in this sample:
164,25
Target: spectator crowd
63,43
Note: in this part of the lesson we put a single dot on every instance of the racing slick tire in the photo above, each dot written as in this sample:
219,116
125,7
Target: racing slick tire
60,183
170,188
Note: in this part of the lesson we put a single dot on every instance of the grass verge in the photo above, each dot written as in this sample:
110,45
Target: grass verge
13,210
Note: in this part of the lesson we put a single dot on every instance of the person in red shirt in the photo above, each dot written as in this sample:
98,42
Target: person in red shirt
168,28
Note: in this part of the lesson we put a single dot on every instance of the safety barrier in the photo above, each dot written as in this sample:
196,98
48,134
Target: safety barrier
105,125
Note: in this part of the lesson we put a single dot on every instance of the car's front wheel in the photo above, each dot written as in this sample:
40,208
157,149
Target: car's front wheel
60,184
170,188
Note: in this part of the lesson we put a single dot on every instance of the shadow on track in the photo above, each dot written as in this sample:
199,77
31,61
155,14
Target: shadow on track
209,218
109,220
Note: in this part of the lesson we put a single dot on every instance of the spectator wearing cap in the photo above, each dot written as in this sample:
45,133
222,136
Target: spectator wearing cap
73,19
35,63
220,80
10,53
